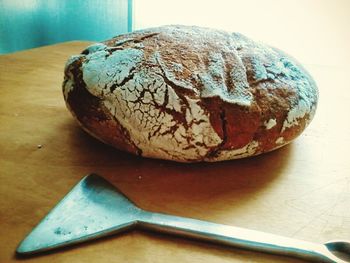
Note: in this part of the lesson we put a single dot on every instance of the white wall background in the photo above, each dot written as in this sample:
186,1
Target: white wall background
313,31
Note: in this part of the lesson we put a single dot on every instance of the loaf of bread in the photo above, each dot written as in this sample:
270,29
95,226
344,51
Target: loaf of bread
189,94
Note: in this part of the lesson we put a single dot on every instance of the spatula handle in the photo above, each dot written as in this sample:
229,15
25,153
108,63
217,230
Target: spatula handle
238,237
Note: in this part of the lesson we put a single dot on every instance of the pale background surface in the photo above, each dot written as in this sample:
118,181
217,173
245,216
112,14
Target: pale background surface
313,31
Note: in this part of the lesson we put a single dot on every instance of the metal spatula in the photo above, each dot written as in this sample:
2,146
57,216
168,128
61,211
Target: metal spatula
95,208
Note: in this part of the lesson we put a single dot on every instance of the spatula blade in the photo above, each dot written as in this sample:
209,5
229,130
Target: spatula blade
93,208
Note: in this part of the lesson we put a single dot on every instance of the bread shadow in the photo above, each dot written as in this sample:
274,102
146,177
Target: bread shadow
159,184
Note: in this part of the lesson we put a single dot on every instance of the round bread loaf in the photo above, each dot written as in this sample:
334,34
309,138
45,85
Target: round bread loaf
189,94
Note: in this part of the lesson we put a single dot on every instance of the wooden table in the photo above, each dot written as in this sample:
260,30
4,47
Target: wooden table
301,190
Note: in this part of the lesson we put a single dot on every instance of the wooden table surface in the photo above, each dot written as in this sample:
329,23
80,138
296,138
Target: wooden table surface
301,190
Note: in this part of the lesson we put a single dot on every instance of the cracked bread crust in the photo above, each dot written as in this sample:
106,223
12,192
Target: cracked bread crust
189,94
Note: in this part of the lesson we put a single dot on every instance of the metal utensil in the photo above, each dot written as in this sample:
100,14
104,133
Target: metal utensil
95,208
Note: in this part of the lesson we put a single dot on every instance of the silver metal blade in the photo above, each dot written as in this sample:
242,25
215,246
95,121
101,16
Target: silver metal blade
87,212
95,208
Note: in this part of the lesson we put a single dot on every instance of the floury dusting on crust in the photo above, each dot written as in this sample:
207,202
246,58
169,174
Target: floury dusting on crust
69,84
147,107
307,97
214,80
270,123
103,73
189,94
246,151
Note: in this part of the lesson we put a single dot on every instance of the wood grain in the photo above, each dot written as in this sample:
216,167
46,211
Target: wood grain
301,190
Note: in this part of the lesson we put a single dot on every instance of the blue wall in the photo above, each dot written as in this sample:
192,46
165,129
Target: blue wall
31,23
